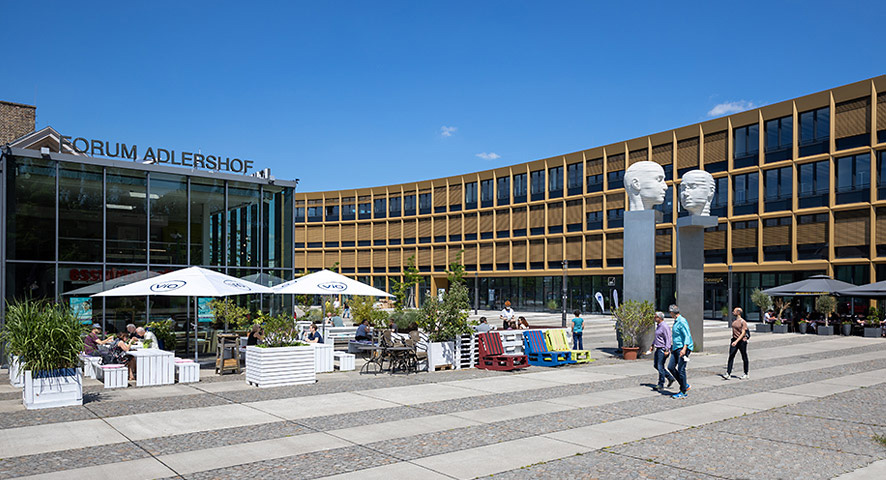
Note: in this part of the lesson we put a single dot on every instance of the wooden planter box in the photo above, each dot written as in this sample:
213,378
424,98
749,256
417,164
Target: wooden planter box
763,328
441,353
278,366
822,330
16,376
873,332
780,328
58,388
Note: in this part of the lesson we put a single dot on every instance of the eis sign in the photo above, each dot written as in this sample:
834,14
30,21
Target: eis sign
104,148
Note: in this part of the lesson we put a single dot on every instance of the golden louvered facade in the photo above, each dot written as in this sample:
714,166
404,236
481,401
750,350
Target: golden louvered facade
828,216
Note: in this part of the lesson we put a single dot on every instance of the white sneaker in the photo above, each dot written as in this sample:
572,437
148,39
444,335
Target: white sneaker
726,376
743,377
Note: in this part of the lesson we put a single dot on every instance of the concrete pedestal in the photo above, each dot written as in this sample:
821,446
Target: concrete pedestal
690,273
639,261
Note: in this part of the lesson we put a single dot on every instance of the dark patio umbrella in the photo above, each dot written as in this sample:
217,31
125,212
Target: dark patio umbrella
813,286
870,290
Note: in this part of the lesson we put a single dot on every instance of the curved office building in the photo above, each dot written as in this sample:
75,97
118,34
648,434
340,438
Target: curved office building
801,190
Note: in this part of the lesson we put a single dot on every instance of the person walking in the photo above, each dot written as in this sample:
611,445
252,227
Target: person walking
661,347
739,344
577,330
681,347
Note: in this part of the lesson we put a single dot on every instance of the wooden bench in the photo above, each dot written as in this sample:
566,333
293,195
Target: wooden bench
114,376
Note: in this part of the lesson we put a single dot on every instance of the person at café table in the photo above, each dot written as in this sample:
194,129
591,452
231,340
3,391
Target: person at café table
147,335
119,346
132,331
364,332
92,341
313,335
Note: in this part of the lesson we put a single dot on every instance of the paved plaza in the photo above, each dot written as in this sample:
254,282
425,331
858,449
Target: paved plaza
810,410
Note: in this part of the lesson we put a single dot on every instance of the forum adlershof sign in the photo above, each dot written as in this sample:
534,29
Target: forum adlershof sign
159,156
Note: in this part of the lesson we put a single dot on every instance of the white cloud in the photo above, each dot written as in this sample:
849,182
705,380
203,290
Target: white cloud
447,131
727,108
489,156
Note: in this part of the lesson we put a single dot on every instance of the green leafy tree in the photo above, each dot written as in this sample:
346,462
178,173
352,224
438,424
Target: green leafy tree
445,320
762,301
635,318
227,313
404,292
280,331
825,305
363,308
164,332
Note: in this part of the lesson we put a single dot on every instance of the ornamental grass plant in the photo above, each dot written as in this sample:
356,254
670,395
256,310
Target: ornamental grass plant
635,318
44,335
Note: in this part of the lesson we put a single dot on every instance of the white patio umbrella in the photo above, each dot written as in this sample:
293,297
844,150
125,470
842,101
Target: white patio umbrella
188,282
326,282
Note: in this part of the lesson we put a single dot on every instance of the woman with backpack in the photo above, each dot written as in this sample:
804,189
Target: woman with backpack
740,336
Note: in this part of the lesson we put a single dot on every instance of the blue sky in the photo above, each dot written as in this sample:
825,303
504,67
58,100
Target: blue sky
354,94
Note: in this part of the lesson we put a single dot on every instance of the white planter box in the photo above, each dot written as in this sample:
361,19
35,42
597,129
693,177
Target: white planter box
441,353
50,392
16,376
278,366
323,360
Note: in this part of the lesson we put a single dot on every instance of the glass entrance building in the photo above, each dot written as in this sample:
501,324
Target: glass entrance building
73,223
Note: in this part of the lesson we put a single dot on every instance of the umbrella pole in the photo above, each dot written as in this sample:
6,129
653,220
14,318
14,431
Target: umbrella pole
196,322
323,316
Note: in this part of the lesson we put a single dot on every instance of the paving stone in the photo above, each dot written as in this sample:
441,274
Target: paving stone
313,465
68,459
26,418
557,421
709,451
453,440
864,405
219,438
356,419
824,433
162,404
601,465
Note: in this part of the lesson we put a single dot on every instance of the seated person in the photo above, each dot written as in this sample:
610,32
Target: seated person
483,327
255,335
392,326
364,332
522,323
147,335
119,346
132,331
92,341
512,325
768,317
313,335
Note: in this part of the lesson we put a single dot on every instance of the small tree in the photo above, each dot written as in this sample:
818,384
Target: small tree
280,331
447,319
363,308
635,318
762,301
780,306
825,305
227,312
404,292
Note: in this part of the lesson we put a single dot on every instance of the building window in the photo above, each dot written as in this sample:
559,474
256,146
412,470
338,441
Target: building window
779,139
721,198
777,239
364,210
574,174
814,184
348,212
555,182
667,207
471,195
595,183
615,218
881,175
315,213
616,179
332,213
746,146
853,178
299,214
715,244
537,185
745,194
520,188
394,207
424,203
595,220
744,241
815,131
486,193
504,190
380,207
778,190
409,205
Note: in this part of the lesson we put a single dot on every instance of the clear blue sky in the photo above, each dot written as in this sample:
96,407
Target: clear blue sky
352,94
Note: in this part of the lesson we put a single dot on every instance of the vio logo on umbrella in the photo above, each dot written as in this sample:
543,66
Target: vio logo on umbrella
168,286
236,284
333,286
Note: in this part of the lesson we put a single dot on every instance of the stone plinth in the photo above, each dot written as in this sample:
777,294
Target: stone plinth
690,273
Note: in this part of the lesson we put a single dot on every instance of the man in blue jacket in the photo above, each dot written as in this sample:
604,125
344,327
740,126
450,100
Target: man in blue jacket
681,347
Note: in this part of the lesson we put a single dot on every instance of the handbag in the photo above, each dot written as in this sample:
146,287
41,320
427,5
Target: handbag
747,332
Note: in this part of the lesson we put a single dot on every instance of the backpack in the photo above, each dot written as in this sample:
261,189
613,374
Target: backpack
747,332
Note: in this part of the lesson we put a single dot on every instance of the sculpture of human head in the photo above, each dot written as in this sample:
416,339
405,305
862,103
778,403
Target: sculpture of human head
697,191
645,184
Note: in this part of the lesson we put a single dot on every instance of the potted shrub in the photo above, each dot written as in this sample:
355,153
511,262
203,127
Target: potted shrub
825,305
47,339
872,327
764,303
446,320
635,319
846,328
802,326
165,334
779,327
281,359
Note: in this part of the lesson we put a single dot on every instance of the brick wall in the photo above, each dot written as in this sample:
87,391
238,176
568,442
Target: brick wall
16,120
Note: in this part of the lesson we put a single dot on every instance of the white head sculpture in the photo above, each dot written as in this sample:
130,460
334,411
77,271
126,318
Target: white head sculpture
645,184
697,191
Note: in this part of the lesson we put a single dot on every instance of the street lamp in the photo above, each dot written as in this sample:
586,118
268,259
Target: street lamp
563,300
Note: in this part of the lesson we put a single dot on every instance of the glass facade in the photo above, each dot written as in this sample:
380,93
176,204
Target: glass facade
72,225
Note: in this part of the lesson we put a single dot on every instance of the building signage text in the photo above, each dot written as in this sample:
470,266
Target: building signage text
159,156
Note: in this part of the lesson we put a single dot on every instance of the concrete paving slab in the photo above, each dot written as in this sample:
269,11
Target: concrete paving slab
571,376
604,398
413,394
511,412
12,405
15,442
695,415
615,432
221,457
516,383
815,389
874,470
176,422
378,432
141,469
763,400
387,472
135,394
344,402
866,379
499,457
219,387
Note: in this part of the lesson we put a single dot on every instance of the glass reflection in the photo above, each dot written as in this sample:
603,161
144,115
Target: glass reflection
126,205
169,219
207,222
30,228
80,213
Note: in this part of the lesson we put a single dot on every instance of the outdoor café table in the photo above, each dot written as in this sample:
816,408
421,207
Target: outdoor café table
153,366
374,363
400,358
